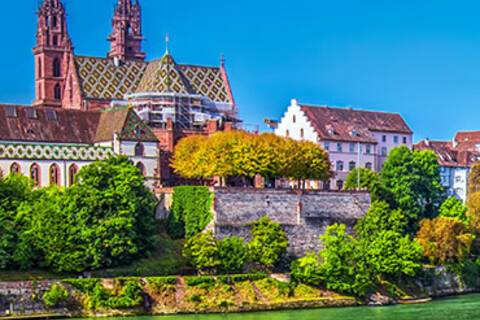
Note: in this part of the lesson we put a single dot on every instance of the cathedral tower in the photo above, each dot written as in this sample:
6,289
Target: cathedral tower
126,37
51,53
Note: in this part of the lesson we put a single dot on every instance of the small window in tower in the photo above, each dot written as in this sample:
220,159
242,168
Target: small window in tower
51,115
57,92
31,113
54,22
47,21
11,111
56,68
55,40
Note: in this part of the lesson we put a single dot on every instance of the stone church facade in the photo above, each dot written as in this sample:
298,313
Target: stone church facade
172,100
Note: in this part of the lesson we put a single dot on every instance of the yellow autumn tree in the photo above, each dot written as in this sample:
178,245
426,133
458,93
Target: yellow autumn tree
445,240
239,154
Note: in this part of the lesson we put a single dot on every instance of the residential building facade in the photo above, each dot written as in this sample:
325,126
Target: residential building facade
51,145
455,159
353,138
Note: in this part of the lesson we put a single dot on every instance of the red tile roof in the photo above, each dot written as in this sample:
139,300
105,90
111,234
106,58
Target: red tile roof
51,125
449,155
339,123
467,140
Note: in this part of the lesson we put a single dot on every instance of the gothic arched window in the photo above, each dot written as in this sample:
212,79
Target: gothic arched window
15,168
35,174
56,68
39,67
139,150
141,167
72,172
54,173
54,22
57,92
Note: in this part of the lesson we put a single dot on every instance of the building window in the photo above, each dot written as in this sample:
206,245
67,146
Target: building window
139,150
55,40
339,147
72,173
339,185
326,145
384,138
351,147
15,168
352,165
39,67
56,67
54,173
141,167
384,151
302,133
368,149
294,119
35,174
404,140
368,165
395,139
54,22
339,166
57,92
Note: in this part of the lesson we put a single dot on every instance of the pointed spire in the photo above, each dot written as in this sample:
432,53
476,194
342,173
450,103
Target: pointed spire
167,43
222,61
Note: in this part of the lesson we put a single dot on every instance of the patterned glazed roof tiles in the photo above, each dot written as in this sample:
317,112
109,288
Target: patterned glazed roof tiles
101,79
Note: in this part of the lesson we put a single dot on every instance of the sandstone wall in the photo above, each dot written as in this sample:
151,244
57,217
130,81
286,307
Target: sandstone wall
304,215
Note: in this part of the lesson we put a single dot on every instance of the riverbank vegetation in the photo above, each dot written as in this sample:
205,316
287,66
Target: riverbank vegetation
411,223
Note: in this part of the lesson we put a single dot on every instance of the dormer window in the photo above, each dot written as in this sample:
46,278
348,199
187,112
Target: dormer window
31,113
354,133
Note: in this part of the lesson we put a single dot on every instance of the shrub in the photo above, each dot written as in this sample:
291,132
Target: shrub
307,270
269,243
55,296
445,240
190,212
232,254
454,208
202,252
203,281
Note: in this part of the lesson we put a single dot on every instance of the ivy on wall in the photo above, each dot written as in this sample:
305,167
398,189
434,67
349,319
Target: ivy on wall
191,211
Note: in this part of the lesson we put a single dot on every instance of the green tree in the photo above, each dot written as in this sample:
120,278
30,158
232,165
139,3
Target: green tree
380,218
453,208
369,180
105,219
15,190
412,183
232,254
269,243
202,253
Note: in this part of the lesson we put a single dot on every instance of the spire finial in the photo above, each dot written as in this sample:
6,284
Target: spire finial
167,43
222,60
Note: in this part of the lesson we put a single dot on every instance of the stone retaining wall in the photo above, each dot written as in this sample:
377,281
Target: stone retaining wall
304,215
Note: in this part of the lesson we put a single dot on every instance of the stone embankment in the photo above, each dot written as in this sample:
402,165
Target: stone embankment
304,215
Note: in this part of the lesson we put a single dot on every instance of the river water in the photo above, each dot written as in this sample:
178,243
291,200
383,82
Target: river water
457,308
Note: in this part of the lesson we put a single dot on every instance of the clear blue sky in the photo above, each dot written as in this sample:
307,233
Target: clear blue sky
420,58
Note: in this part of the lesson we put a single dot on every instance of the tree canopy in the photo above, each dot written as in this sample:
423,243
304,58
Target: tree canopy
105,219
239,154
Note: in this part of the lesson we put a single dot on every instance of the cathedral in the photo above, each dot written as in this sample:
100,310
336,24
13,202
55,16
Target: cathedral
171,100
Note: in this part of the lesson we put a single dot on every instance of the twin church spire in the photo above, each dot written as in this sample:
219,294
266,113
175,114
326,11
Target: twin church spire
126,37
54,50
